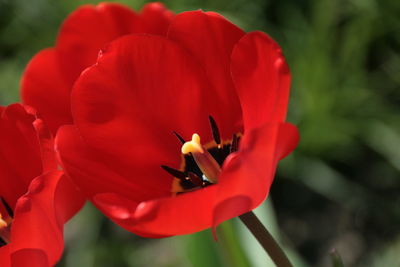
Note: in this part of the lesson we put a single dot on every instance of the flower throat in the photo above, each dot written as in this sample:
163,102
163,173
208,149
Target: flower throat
201,166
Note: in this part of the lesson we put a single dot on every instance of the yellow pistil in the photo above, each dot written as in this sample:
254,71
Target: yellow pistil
193,146
203,158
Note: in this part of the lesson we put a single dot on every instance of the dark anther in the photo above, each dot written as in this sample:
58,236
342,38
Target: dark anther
235,143
215,131
8,208
2,242
179,137
196,180
187,184
174,172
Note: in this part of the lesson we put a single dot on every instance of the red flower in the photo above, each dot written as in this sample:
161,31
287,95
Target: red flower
36,198
48,79
122,151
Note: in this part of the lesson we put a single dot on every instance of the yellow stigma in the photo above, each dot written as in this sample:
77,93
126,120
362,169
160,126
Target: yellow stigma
193,146
206,162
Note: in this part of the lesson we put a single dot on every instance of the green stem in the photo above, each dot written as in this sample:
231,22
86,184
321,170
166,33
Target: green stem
265,239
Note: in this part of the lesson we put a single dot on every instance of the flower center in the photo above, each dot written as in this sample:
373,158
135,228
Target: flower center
207,164
202,164
5,224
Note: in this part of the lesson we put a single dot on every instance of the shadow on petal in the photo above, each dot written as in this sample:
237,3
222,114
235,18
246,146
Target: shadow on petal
29,257
235,205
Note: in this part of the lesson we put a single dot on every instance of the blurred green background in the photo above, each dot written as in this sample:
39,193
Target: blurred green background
340,189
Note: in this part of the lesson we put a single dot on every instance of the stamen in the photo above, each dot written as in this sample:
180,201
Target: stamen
196,180
215,131
2,242
179,137
203,158
187,184
174,172
235,143
8,208
202,166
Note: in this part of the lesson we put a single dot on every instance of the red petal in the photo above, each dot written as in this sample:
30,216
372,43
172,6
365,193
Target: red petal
183,214
39,217
29,257
48,95
262,79
81,37
20,152
49,161
95,173
41,210
210,38
247,175
68,200
121,210
141,90
5,256
87,30
155,18
35,226
244,184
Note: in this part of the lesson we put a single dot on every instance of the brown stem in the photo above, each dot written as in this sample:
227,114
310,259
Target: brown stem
265,239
